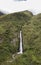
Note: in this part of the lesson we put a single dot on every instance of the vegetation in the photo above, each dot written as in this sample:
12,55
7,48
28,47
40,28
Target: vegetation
10,26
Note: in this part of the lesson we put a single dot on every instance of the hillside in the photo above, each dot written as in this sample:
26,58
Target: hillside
10,26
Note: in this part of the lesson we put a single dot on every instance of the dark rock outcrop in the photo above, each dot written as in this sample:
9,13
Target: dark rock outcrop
1,13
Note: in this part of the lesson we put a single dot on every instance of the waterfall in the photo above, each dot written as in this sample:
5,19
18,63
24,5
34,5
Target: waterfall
20,48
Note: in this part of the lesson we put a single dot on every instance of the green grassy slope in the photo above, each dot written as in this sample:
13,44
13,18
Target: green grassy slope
10,26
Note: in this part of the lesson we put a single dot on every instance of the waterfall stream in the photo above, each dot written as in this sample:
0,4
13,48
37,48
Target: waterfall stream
20,48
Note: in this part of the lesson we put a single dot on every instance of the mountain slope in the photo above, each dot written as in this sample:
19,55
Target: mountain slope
10,26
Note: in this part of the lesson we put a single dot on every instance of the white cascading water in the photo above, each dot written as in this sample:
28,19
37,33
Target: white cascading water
20,48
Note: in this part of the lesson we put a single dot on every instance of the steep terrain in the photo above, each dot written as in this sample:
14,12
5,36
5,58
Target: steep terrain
10,26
